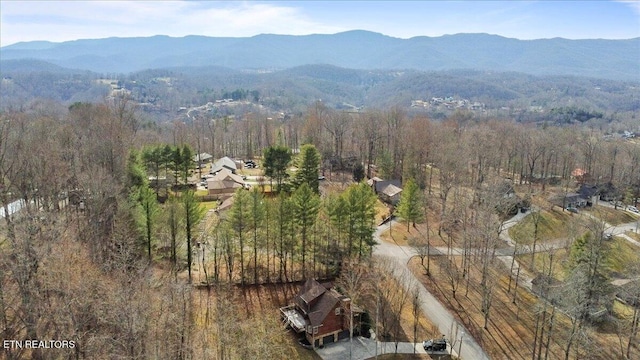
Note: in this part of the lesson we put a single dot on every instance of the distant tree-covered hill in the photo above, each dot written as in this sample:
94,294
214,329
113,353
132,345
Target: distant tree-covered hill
611,59
33,65
292,90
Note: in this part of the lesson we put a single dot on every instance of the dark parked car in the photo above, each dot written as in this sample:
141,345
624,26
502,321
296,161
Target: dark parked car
250,164
435,345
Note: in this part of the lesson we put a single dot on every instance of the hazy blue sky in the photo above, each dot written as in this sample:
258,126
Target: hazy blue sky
69,20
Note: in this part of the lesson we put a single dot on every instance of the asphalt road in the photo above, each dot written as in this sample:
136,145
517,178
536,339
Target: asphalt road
430,306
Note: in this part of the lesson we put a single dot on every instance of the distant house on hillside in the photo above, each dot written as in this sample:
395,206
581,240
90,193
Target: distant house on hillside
510,203
202,158
586,195
589,193
627,292
573,200
609,192
17,205
506,190
627,134
321,313
389,191
224,182
224,163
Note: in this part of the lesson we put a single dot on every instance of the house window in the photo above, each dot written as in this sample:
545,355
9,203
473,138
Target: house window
338,311
315,329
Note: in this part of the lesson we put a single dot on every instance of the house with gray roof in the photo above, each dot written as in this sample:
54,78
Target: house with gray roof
224,163
388,190
202,158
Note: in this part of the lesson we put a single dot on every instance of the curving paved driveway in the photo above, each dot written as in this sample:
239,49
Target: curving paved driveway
429,305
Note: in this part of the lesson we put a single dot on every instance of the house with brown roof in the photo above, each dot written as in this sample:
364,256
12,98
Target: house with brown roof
321,313
224,182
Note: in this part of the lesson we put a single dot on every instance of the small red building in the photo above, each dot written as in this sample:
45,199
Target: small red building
321,313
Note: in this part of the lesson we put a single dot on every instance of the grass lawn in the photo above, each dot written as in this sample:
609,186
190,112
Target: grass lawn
612,216
264,188
622,256
398,234
202,192
622,310
382,211
251,172
208,205
542,261
634,235
552,225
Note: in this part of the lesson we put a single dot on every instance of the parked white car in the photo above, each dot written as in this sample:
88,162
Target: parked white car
633,209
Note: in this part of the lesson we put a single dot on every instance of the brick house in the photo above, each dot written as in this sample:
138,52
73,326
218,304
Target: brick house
321,313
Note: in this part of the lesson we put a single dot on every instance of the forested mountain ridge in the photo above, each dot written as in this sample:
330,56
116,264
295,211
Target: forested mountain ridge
291,90
611,59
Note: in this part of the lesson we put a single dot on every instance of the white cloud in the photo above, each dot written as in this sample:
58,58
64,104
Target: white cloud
247,19
633,4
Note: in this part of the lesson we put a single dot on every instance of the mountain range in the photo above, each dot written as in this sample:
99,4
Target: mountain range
606,59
